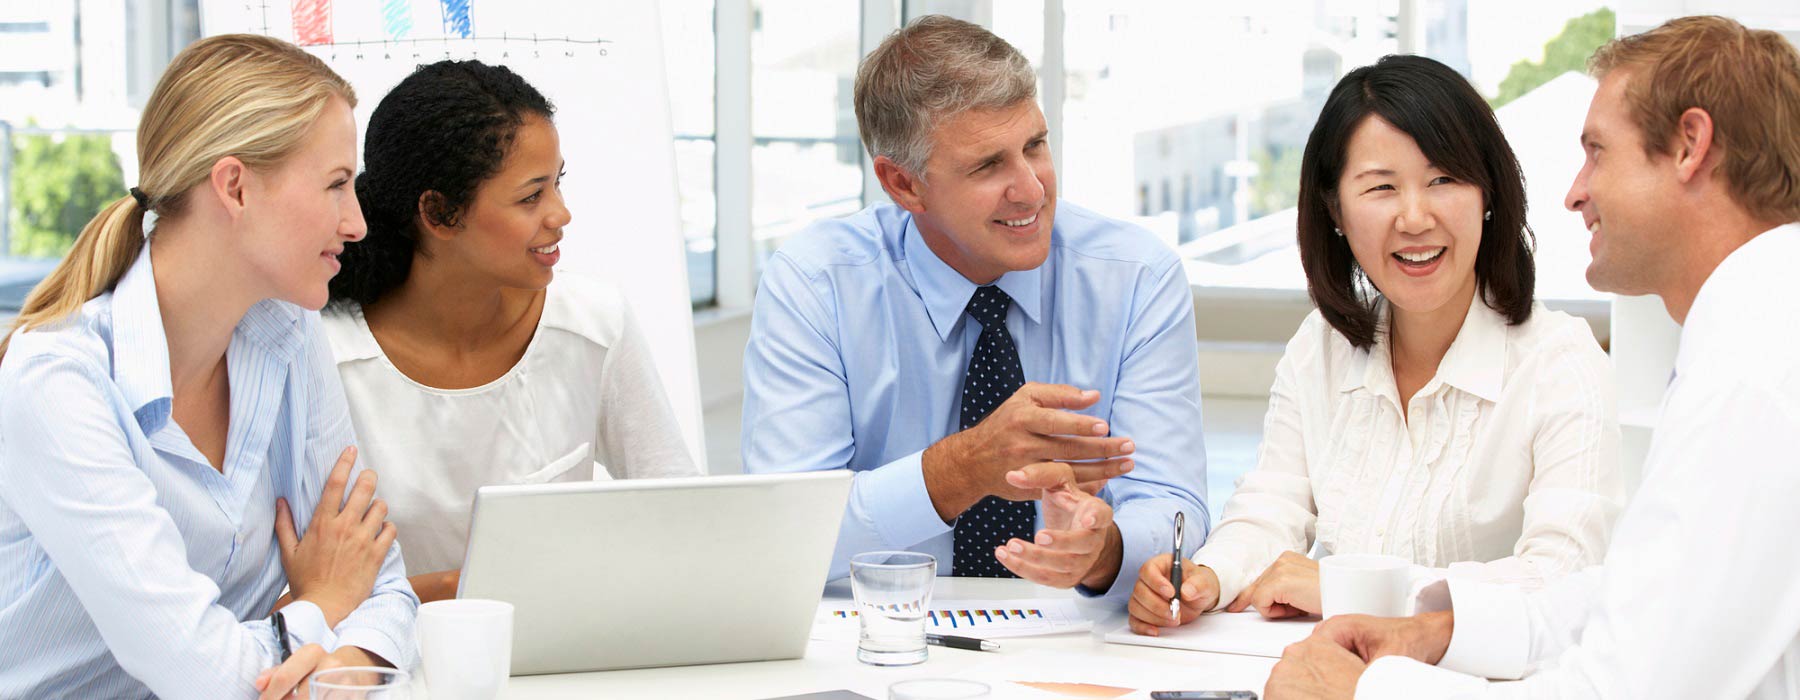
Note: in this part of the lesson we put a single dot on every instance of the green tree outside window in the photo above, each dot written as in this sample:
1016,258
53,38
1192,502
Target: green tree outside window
1567,51
58,184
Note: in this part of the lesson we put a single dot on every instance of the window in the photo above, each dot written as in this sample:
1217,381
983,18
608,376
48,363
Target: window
72,82
689,50
1186,117
1529,60
806,159
1225,94
1218,97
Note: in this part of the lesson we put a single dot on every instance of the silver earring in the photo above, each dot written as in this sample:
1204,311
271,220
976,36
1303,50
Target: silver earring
1489,216
1338,231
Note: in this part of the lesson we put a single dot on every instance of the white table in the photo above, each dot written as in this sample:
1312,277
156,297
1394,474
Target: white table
830,665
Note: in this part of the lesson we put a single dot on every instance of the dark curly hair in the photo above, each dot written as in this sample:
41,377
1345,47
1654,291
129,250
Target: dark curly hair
431,142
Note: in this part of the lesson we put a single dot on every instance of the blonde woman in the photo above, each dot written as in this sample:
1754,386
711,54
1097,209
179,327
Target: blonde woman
169,414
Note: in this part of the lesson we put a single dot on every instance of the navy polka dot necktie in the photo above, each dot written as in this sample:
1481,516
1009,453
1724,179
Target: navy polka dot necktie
994,374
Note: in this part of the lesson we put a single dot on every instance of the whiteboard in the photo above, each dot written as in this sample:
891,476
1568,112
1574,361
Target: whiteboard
601,65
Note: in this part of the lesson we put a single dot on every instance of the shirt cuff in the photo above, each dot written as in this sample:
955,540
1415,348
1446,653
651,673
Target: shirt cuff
1490,637
1402,678
1430,591
1145,531
897,503
306,625
373,641
1232,578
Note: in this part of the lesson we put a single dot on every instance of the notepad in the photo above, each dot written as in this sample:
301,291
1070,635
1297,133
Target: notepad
986,619
1226,633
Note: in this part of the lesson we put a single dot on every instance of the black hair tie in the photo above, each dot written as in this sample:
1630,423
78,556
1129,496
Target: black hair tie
143,200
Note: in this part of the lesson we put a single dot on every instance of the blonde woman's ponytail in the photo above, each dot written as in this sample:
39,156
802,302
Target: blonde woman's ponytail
101,255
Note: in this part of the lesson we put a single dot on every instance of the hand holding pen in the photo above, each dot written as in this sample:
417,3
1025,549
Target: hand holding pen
1165,598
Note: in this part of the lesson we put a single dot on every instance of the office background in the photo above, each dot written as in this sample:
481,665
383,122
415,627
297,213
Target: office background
1185,117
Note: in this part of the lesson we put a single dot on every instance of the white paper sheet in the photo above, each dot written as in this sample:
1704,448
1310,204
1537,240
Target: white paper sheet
1035,674
1228,633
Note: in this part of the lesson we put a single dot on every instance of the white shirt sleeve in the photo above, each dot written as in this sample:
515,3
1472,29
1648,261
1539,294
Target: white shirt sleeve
638,434
1272,510
1692,601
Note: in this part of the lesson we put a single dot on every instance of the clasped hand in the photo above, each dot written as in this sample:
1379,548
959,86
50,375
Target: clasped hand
334,566
1331,662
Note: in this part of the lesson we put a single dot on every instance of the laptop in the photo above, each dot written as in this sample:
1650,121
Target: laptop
656,572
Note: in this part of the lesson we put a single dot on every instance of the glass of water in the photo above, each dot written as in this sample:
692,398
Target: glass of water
893,593
361,683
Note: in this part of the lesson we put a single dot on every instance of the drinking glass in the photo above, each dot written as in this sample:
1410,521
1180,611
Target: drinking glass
893,593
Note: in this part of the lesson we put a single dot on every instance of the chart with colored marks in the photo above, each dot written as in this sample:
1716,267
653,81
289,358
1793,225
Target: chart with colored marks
987,619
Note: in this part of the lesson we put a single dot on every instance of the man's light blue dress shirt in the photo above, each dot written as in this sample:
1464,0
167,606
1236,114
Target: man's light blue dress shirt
129,566
859,344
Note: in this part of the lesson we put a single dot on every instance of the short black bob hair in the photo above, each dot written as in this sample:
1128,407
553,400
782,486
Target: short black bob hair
431,142
1457,132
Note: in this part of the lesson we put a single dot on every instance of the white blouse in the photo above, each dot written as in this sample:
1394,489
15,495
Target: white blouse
1506,471
583,402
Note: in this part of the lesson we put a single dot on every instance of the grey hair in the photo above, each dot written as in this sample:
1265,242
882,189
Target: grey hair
932,69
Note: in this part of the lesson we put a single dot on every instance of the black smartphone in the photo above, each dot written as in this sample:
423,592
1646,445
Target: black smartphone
1203,695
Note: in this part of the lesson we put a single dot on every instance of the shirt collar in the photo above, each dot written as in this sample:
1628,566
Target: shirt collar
1475,362
141,348
946,292
1714,304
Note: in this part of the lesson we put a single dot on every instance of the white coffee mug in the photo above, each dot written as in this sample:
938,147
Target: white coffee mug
466,647
1365,584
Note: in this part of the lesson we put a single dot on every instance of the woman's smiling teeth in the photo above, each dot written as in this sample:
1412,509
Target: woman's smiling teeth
546,250
1419,257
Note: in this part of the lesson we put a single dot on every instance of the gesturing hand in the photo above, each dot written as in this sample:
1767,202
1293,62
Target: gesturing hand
1079,543
1034,425
335,564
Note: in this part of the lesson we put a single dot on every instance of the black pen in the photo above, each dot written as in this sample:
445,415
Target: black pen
1175,567
281,634
954,642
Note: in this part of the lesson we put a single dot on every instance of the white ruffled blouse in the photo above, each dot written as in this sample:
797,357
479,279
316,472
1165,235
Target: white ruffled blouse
1504,467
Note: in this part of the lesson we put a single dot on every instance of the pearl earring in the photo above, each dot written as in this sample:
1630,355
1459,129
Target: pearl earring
1338,231
1489,216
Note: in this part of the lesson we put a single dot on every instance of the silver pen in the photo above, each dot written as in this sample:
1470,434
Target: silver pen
1175,568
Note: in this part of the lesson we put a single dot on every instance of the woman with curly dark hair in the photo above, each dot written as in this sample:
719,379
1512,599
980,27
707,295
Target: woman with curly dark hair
468,360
